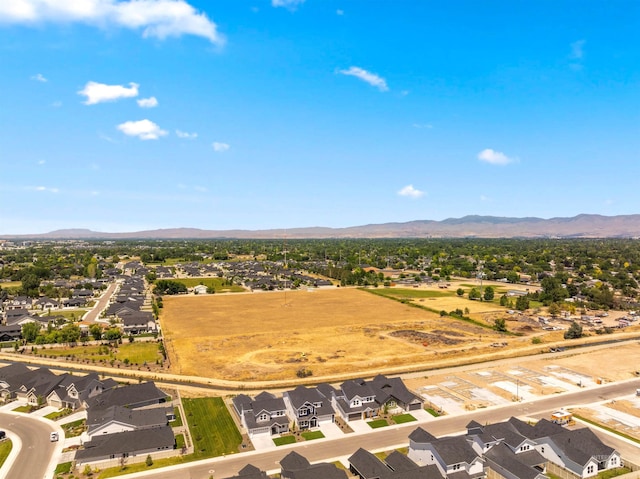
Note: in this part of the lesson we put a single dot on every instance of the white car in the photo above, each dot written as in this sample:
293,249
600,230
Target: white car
53,437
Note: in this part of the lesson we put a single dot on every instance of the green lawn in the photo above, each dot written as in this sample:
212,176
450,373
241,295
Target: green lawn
281,441
178,421
432,411
619,471
69,314
218,284
5,449
311,435
402,418
58,414
64,468
75,428
212,428
410,293
180,441
378,423
25,408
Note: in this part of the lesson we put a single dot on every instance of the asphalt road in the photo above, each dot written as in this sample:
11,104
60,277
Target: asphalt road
102,302
34,458
394,436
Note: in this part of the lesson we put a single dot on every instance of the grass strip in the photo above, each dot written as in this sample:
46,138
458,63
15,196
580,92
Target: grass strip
607,428
5,450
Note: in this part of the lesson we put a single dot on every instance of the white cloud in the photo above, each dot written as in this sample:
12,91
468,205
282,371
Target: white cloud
100,92
290,4
411,192
577,49
339,12
220,147
38,76
200,189
56,104
42,162
143,129
151,102
371,78
186,135
156,18
423,125
44,189
494,157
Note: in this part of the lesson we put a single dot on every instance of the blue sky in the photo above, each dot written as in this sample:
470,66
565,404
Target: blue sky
122,115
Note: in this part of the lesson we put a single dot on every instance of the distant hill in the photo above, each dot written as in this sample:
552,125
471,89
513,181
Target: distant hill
581,226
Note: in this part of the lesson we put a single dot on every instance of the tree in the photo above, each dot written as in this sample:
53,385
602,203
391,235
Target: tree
489,293
500,325
149,461
30,285
70,333
504,301
474,293
167,286
574,331
522,303
95,330
112,334
30,332
460,292
554,309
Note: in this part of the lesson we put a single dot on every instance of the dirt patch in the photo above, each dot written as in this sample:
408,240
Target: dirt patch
425,338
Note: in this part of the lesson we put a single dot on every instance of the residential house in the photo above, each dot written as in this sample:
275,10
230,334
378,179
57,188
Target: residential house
73,392
132,396
115,419
453,455
10,332
366,465
308,407
295,466
266,414
126,445
393,396
138,322
250,472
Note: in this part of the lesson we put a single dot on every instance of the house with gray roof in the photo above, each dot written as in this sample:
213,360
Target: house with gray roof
126,445
453,455
132,396
308,407
115,419
250,472
264,414
73,392
295,466
366,465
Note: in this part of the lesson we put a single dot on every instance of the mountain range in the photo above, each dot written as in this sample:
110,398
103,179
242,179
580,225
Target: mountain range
581,226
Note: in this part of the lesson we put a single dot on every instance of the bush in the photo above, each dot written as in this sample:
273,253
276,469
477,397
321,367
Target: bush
304,372
149,461
574,331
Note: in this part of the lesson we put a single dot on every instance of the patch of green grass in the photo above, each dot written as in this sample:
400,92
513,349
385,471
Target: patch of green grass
26,408
432,411
607,428
410,293
378,423
402,418
282,440
5,449
58,414
212,428
69,314
139,352
180,442
311,435
64,468
178,421
139,467
219,285
618,471
75,428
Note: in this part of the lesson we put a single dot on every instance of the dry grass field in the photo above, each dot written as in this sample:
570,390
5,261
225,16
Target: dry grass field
265,336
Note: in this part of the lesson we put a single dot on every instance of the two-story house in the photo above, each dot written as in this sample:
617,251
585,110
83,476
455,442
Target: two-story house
308,407
265,414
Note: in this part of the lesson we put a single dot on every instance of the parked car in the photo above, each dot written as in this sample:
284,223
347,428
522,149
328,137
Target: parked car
2,435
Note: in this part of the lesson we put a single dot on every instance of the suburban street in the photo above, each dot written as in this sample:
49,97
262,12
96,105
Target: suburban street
35,457
102,303
394,436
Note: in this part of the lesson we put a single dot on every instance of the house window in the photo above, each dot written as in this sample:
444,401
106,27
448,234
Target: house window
542,449
356,402
455,467
614,461
590,469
